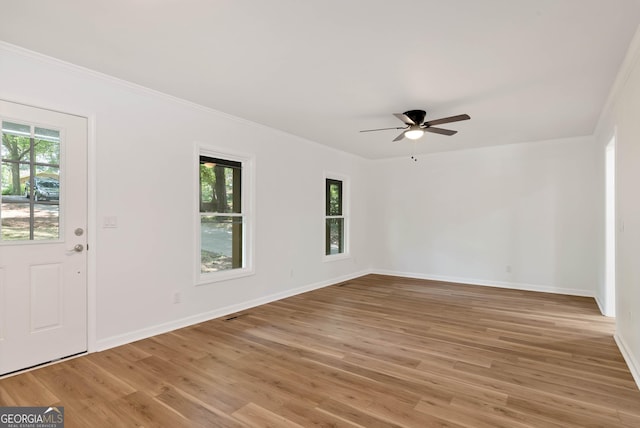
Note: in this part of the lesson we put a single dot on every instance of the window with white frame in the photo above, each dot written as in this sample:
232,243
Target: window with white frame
336,220
224,224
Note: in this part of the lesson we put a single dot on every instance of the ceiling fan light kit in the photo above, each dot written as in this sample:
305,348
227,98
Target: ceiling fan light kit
414,132
415,126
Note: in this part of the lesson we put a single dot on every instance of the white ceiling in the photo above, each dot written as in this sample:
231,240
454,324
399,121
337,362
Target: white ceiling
525,70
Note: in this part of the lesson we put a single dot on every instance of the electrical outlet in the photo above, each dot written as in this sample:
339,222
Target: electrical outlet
508,268
177,297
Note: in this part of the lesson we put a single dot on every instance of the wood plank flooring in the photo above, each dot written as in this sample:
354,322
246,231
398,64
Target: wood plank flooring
377,351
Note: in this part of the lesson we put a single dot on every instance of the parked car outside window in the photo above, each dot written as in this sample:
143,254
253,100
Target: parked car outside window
44,189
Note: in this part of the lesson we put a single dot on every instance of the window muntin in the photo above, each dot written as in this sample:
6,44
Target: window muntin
30,183
335,218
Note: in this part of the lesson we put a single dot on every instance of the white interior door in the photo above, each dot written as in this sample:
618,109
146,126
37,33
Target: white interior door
43,222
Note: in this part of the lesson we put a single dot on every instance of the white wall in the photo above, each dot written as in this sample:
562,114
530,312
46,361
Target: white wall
144,175
519,216
621,117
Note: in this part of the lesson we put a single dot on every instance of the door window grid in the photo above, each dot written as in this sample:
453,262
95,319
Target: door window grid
30,183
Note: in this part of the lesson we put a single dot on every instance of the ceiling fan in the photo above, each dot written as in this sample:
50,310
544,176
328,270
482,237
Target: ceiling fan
416,126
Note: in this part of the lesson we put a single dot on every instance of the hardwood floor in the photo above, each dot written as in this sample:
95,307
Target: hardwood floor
377,351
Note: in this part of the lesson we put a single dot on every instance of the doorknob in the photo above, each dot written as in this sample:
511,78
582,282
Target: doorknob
78,248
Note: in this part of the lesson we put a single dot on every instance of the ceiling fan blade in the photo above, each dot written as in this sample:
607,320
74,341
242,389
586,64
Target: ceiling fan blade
448,119
406,119
440,131
383,129
399,137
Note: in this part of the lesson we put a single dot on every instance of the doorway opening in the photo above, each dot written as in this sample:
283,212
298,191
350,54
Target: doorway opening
610,228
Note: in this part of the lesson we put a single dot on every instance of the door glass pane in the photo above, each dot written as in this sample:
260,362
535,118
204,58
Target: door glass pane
15,220
46,221
30,167
47,134
16,129
220,243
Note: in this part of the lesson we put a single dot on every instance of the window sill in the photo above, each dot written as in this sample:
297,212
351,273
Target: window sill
209,278
336,257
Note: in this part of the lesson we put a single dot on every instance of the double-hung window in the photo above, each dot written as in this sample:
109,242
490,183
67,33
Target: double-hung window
224,224
336,220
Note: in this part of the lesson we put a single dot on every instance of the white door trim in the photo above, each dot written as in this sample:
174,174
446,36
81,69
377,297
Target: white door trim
92,230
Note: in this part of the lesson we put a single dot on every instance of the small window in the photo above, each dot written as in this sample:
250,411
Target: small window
335,217
223,220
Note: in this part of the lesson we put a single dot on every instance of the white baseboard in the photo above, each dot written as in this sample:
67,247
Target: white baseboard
123,339
600,305
483,282
632,362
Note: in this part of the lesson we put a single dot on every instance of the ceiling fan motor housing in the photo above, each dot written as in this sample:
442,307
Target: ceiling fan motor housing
417,116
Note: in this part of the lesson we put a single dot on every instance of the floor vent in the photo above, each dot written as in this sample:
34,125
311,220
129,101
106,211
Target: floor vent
232,317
